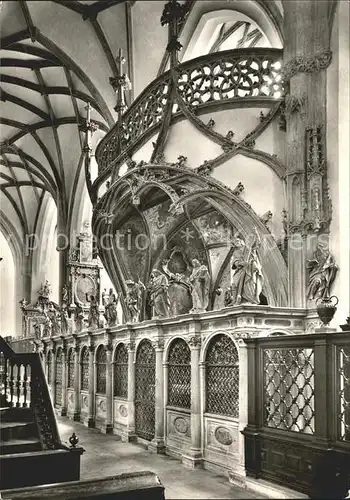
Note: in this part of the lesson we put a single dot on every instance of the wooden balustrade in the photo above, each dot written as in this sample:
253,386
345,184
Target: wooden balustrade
23,385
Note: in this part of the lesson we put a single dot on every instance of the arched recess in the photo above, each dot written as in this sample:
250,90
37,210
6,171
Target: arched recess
145,380
338,155
199,190
222,376
179,374
101,365
84,369
205,19
120,372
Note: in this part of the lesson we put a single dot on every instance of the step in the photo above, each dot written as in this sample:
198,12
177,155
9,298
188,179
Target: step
17,430
17,414
16,446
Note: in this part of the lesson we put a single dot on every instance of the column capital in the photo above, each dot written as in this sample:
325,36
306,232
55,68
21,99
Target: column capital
130,345
195,342
158,344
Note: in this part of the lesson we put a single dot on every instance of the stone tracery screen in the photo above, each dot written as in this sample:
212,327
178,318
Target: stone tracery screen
121,372
179,374
71,361
101,362
84,369
222,377
289,402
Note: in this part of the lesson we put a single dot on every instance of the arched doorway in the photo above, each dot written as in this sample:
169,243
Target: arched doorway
145,380
58,377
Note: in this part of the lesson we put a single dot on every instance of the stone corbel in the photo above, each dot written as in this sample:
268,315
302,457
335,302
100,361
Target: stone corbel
295,104
306,64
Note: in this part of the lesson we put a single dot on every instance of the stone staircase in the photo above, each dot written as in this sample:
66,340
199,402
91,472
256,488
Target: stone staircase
18,431
31,451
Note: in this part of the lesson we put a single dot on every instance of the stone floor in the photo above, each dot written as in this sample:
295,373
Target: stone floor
107,455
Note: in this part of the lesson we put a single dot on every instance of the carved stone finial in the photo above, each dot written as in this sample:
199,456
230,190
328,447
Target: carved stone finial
74,440
238,190
266,217
211,123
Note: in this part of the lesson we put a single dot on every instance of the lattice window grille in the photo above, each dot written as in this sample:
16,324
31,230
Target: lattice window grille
121,372
222,377
179,374
101,364
344,392
145,390
71,363
289,402
84,369
49,367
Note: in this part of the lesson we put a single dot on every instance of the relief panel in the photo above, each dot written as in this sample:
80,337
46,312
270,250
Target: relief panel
120,411
220,441
178,430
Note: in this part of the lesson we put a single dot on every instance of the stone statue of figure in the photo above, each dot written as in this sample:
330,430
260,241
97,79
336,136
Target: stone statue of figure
158,293
63,315
200,282
133,299
52,325
79,317
247,280
94,313
105,298
322,273
64,295
111,308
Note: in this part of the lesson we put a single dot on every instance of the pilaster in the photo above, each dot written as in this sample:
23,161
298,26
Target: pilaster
109,395
91,394
193,458
157,444
130,432
76,415
64,380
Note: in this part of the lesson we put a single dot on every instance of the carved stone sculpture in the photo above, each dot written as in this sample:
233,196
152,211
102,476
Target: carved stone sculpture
94,314
111,309
322,273
64,295
133,299
247,280
158,294
200,283
79,317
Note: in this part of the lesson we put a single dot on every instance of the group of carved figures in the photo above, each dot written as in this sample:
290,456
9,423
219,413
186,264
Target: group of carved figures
246,284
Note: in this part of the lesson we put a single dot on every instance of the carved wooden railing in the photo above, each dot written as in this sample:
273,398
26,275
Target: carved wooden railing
298,430
23,385
228,76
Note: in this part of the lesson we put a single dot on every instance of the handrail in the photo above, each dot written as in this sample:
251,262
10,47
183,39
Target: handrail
220,76
24,385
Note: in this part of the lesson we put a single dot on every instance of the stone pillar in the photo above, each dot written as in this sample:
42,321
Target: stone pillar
53,374
109,395
130,432
91,395
76,414
64,381
157,443
237,476
193,459
306,57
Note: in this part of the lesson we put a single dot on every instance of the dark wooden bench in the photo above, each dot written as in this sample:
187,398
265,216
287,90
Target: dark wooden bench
132,486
